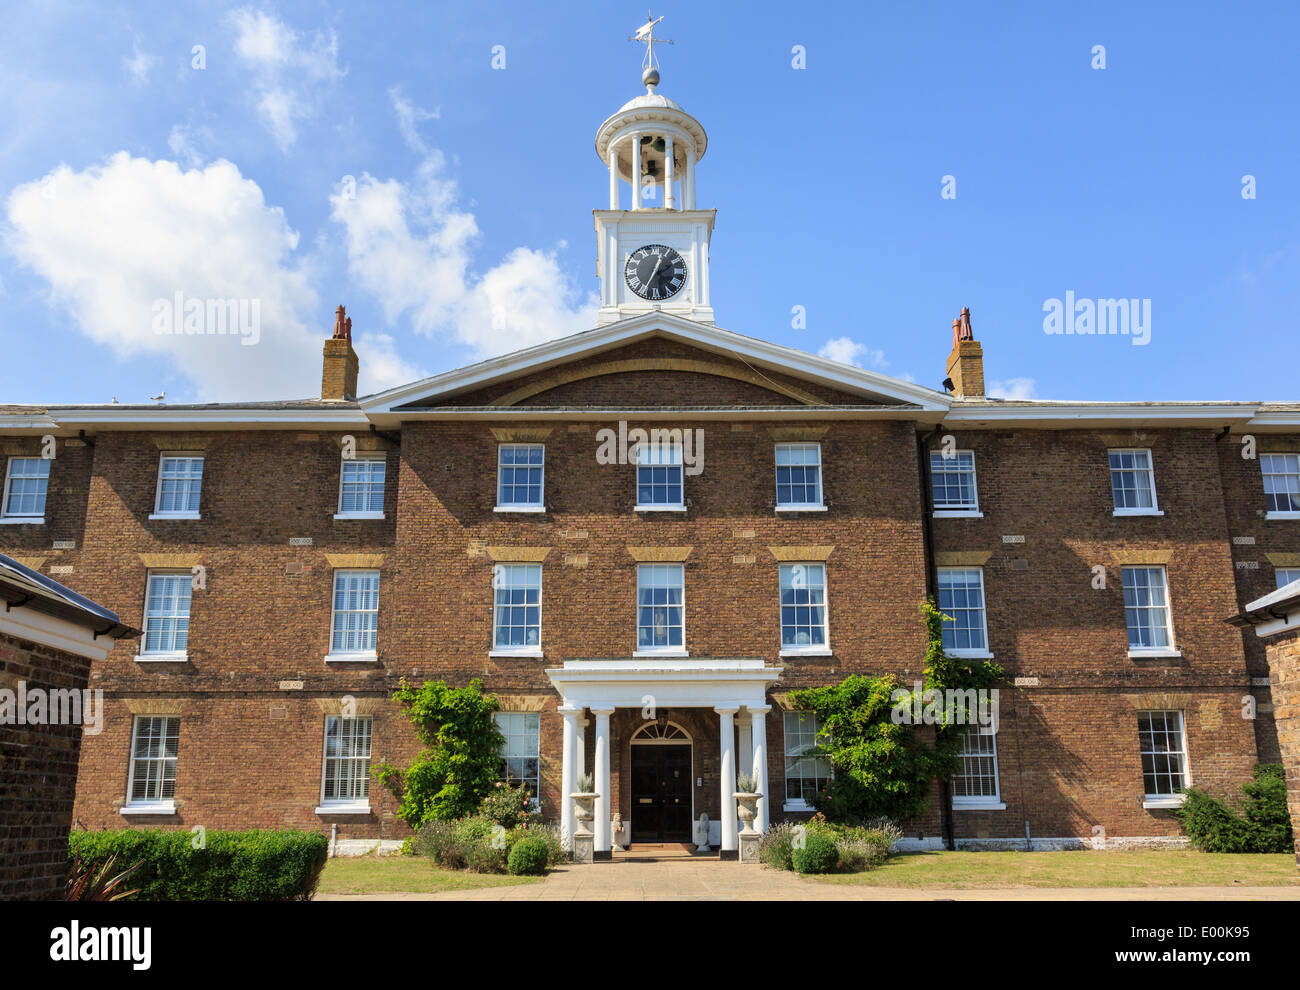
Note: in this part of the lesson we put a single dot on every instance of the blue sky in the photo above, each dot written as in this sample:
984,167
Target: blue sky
127,174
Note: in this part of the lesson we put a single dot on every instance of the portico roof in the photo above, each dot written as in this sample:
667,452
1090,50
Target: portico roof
665,682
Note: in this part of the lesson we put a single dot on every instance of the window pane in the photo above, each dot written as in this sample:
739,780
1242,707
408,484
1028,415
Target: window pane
180,480
154,747
1164,759
953,480
977,774
1132,481
356,612
166,613
961,598
517,605
660,609
26,487
362,487
804,775
519,474
1281,481
803,605
1146,607
798,474
347,758
520,766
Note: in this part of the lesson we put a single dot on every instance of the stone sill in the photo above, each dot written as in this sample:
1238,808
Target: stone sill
164,808
173,515
958,514
370,657
1138,512
519,508
527,654
1154,654
162,658
22,521
973,806
801,508
358,515
343,809
1164,801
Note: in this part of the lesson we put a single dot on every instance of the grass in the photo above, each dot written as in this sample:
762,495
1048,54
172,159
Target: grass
1117,868
403,874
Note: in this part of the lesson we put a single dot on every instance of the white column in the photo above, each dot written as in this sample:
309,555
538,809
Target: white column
688,180
636,170
568,774
613,176
669,201
727,730
758,730
602,778
580,755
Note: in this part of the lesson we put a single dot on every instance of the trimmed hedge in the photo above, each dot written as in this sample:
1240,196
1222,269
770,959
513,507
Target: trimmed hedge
817,855
528,857
257,865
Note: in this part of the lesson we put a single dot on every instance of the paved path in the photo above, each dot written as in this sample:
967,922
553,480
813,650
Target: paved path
712,880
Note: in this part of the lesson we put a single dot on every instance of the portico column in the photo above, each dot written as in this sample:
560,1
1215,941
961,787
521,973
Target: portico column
636,170
758,731
727,729
568,773
580,750
613,176
602,779
668,172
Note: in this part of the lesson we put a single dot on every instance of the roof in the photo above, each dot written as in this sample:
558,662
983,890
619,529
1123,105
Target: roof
1271,607
22,587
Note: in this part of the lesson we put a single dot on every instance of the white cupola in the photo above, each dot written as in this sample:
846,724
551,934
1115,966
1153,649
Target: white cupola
652,244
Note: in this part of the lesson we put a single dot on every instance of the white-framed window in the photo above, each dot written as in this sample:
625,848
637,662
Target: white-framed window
180,482
521,476
659,476
1281,474
805,773
661,608
952,478
975,784
1133,483
166,615
151,778
798,476
1146,610
520,763
361,486
354,625
27,481
804,624
1163,744
517,608
961,598
345,775
1285,575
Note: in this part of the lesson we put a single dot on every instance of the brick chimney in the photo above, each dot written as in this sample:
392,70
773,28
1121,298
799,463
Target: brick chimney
338,380
966,362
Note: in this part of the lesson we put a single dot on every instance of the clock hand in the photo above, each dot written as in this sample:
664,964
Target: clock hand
656,270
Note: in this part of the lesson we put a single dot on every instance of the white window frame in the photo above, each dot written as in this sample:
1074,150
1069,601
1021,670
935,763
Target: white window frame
659,651
1290,573
17,519
535,783
159,805
822,649
820,504
979,802
539,506
971,653
1154,508
1277,513
648,450
1174,800
372,456
799,803
163,458
353,656
498,572
164,656
351,805
952,511
1139,652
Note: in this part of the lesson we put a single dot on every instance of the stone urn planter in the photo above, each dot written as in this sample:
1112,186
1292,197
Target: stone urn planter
584,813
747,810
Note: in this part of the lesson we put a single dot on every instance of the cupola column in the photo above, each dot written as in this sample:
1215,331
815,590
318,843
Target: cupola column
688,179
669,200
636,170
613,175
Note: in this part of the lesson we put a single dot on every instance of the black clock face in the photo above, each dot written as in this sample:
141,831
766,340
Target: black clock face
655,272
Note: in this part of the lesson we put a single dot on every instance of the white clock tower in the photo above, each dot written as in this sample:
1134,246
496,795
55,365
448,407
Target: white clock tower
653,255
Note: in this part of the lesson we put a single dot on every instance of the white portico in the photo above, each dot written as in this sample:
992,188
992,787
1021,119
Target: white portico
733,689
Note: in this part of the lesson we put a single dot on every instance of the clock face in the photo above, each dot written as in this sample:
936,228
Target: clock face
655,272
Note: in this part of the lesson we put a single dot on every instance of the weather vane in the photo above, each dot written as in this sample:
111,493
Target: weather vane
646,35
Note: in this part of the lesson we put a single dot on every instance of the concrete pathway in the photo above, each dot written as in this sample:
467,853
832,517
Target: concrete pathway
712,880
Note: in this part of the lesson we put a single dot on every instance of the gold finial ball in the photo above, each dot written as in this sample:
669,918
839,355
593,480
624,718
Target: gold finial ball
650,77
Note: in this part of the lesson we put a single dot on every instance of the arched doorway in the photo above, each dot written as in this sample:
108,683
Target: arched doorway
661,783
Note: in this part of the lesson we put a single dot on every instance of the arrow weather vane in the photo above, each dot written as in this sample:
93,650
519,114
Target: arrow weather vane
646,35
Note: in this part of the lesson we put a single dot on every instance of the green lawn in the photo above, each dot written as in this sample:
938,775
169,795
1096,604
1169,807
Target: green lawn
402,874
1136,868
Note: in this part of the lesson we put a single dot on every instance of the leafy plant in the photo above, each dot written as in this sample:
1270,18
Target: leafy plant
776,847
586,784
97,882
460,763
507,806
1262,825
746,783
528,857
817,854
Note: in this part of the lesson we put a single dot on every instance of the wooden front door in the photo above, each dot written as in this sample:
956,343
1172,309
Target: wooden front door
661,793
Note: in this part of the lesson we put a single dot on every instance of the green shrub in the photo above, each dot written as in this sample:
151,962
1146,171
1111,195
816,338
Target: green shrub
475,829
507,806
528,857
1262,825
867,847
257,865
817,854
484,857
776,847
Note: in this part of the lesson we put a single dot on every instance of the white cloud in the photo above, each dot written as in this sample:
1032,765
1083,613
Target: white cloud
381,367
285,74
181,141
411,245
114,238
1013,388
139,63
408,115
847,351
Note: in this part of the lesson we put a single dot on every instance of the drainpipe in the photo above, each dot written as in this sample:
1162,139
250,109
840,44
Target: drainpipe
931,590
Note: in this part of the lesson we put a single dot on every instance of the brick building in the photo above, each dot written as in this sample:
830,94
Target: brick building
290,562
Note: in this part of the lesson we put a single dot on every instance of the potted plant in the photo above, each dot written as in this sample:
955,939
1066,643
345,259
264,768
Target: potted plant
584,799
747,795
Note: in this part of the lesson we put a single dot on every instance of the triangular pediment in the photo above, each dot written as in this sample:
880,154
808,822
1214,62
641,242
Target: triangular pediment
652,361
